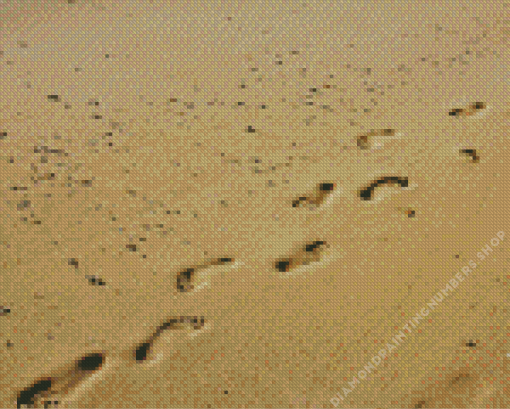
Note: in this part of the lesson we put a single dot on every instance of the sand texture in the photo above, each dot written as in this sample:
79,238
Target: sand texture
222,204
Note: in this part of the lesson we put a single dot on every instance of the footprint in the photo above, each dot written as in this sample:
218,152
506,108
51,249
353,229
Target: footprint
47,390
472,154
468,110
316,198
310,253
363,141
367,192
27,397
186,280
142,351
458,384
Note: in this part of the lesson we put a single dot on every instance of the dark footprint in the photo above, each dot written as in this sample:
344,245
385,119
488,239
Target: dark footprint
283,266
142,351
90,362
186,278
472,154
59,385
314,246
363,140
317,197
471,109
367,192
310,253
27,397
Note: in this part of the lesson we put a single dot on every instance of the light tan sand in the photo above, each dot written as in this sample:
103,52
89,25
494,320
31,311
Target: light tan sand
157,157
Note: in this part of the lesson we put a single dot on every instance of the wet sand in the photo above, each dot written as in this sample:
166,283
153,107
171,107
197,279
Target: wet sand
241,204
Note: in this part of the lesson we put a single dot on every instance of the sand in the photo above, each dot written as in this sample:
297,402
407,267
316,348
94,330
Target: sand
253,199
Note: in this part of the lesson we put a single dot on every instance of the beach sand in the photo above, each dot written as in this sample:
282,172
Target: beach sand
253,199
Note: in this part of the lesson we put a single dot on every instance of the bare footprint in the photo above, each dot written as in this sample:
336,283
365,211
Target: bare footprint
47,390
466,110
142,351
367,192
365,141
471,153
310,253
456,388
316,198
187,280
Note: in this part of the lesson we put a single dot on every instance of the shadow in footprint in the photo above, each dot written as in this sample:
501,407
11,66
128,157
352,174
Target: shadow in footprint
363,141
472,154
186,278
367,192
310,253
468,110
91,362
142,351
316,198
46,390
27,397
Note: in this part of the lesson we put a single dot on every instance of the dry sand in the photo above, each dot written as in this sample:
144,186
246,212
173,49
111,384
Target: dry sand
164,159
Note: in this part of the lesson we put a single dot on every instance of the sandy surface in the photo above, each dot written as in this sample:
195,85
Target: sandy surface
170,162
